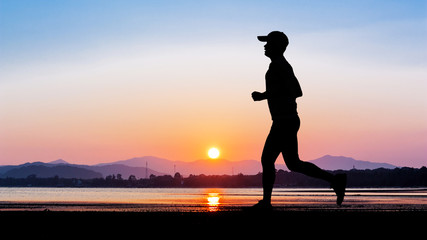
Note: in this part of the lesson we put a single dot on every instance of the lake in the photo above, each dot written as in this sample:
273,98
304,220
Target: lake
202,199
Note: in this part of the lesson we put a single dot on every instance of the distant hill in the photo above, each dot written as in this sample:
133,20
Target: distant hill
42,171
63,169
329,162
219,167
160,164
125,171
59,161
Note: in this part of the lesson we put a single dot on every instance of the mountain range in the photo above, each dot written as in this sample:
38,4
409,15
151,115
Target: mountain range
346,163
64,169
143,167
250,167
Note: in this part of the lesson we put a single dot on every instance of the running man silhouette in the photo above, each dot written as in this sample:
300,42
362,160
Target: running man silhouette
282,89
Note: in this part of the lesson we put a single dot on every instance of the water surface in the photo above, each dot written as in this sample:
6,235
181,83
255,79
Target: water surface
201,199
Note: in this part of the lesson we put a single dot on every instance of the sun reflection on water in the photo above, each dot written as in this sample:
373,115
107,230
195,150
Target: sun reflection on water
213,201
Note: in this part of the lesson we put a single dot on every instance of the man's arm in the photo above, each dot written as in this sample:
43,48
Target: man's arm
257,96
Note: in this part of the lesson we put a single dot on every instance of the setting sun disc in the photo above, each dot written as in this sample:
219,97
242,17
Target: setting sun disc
213,153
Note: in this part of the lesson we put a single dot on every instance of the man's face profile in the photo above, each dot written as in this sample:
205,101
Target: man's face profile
271,49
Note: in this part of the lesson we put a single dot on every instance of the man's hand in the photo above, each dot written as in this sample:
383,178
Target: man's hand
257,96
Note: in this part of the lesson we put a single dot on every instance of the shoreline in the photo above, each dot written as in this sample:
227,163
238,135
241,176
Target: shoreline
39,206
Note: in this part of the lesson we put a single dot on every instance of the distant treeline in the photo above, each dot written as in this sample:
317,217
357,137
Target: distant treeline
398,177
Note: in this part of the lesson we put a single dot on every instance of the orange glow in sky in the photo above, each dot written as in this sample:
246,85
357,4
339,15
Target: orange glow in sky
102,81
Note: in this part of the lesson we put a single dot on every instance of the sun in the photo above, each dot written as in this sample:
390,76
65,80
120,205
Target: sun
213,153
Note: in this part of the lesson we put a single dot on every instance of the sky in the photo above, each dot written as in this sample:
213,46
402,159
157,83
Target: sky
92,81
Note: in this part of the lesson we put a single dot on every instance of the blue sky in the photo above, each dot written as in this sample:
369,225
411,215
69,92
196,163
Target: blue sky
101,70
45,28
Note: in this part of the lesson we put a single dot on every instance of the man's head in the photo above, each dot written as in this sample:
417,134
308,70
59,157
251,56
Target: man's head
276,43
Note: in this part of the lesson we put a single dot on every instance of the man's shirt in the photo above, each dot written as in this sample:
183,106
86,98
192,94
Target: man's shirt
282,89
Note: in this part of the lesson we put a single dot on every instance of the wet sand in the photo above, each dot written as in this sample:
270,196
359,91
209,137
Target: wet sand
168,220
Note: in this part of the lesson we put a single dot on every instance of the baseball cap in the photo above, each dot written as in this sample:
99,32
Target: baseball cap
275,37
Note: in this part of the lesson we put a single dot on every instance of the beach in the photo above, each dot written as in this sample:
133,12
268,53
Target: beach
365,211
137,219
